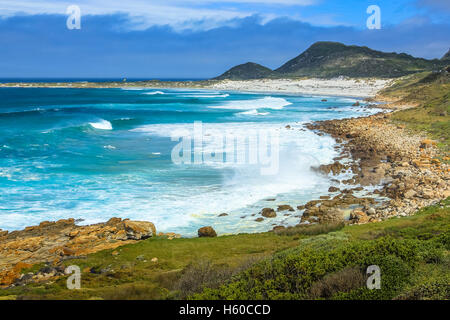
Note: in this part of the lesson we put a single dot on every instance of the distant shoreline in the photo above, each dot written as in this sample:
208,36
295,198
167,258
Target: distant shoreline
343,87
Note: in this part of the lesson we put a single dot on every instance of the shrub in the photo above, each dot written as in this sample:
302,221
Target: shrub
310,230
196,276
293,273
345,280
436,290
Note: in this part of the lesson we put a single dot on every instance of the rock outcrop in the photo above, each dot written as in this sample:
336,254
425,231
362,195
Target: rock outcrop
53,242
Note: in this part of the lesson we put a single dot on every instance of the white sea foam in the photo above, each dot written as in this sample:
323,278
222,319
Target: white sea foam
101,125
182,208
206,95
154,92
254,112
266,102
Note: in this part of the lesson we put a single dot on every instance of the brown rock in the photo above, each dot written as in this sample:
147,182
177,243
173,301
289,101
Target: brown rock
359,216
268,213
207,232
113,221
139,230
427,143
409,194
68,252
333,189
284,207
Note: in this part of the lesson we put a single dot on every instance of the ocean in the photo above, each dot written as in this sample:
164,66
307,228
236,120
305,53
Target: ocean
93,154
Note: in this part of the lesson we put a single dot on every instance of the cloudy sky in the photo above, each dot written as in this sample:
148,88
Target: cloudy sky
202,38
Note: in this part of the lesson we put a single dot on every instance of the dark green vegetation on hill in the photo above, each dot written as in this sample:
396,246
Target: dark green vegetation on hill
246,71
333,59
314,263
431,92
446,56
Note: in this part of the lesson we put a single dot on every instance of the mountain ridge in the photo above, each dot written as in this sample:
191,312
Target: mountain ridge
326,59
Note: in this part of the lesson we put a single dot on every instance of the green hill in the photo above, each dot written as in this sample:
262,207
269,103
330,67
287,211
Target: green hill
331,59
446,57
246,71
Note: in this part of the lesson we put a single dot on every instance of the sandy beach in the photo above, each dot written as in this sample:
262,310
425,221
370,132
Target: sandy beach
323,87
363,88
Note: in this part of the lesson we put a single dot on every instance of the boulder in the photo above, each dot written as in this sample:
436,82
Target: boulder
333,189
409,194
284,207
359,216
268,213
139,230
427,143
207,232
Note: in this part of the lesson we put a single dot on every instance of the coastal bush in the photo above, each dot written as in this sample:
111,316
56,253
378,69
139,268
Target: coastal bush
196,276
310,230
344,280
293,273
434,290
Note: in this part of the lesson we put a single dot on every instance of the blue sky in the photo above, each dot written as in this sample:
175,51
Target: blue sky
202,38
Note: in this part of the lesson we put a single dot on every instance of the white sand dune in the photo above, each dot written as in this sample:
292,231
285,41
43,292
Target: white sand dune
332,87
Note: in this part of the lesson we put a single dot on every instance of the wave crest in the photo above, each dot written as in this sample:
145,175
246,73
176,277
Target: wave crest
101,125
264,103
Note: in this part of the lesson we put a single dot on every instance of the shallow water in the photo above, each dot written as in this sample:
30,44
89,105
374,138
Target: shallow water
93,154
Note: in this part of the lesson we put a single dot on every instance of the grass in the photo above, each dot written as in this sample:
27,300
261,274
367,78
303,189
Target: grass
199,267
431,92
131,274
412,253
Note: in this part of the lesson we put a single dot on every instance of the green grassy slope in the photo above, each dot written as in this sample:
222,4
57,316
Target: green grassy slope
332,59
431,91
315,262
412,253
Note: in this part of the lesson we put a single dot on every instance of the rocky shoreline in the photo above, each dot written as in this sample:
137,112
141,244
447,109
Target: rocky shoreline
407,171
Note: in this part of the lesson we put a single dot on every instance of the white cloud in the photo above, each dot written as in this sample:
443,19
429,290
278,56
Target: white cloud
180,14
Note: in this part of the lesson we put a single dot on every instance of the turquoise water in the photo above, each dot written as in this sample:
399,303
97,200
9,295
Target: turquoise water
93,154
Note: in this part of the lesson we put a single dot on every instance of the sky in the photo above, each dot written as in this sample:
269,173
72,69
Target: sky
202,38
